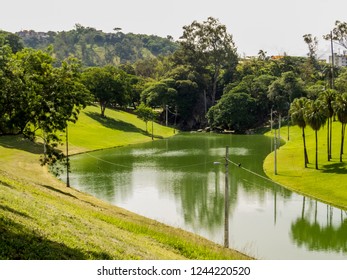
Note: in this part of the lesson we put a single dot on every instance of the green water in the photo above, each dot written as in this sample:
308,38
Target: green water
175,181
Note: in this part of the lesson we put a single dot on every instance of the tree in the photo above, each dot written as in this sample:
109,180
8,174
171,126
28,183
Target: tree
340,106
297,112
159,94
328,96
108,85
38,99
339,34
145,113
234,111
208,47
315,116
283,90
11,40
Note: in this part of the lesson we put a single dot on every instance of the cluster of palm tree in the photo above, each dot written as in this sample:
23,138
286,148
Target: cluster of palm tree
317,113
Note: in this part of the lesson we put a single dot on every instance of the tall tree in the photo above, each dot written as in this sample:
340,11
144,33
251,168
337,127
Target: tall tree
297,112
328,96
209,47
340,106
338,34
108,85
315,116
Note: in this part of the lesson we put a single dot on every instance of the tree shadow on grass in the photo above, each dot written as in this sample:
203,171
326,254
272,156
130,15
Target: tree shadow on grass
20,143
59,191
335,168
119,125
114,124
13,211
20,243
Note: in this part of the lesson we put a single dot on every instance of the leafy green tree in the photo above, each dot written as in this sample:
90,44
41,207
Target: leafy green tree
297,112
145,113
341,81
38,99
315,116
12,40
234,111
108,84
210,49
340,106
186,100
283,91
159,94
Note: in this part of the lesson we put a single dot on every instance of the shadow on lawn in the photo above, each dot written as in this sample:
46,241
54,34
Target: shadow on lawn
336,168
20,143
59,191
20,243
119,125
114,124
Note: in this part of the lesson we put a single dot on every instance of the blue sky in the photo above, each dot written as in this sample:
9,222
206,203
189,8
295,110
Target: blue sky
276,26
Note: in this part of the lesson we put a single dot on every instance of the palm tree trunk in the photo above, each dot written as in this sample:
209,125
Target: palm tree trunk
343,130
331,138
328,140
305,149
316,132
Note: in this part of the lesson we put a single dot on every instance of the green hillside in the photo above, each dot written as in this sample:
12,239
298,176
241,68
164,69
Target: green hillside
42,219
96,48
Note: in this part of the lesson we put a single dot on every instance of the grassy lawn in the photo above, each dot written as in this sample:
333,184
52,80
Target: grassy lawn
42,219
92,132
329,183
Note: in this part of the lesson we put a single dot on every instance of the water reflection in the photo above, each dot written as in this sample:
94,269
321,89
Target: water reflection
176,182
307,231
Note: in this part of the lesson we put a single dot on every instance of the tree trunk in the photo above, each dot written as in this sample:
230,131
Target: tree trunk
316,132
279,127
305,149
328,140
331,138
343,130
103,108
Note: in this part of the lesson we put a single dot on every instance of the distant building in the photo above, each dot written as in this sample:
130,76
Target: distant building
339,59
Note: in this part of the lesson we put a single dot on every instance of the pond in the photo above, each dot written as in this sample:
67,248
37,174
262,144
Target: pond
177,181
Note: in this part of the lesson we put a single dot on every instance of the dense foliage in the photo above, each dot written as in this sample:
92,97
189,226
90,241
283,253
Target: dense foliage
97,48
37,99
195,82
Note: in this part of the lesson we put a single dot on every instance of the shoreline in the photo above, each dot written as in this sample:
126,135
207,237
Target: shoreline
324,185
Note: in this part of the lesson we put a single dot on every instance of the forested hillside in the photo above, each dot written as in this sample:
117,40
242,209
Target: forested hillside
97,48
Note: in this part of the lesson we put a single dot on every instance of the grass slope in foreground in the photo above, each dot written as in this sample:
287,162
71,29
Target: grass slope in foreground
326,184
42,219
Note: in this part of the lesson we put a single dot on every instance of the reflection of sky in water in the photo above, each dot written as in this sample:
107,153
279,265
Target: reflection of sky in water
232,151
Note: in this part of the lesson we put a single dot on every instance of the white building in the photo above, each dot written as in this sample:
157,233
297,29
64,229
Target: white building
339,59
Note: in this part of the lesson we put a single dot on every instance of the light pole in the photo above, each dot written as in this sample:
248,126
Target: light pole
67,159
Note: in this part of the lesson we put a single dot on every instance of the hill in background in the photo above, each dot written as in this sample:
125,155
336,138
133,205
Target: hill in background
96,48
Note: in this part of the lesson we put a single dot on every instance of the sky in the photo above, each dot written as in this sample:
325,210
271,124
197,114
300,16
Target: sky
275,26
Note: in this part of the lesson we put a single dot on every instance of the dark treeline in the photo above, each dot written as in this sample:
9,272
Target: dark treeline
198,81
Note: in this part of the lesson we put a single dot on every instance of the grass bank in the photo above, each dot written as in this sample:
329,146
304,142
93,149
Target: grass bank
326,184
42,219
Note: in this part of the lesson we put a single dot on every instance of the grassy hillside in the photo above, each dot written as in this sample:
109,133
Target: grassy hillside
42,219
328,183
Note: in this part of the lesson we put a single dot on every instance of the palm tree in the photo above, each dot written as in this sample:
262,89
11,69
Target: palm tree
340,106
328,97
315,116
297,110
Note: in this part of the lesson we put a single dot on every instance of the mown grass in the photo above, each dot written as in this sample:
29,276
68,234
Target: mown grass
42,219
93,132
328,183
